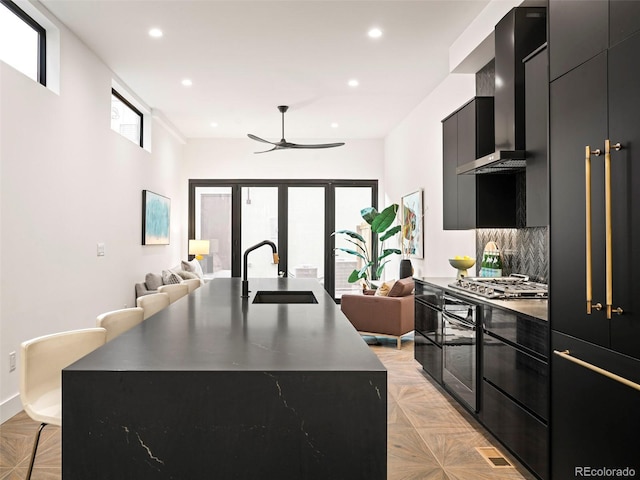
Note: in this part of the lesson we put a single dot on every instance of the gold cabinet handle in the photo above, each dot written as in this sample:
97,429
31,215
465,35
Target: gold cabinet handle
587,179
566,354
608,229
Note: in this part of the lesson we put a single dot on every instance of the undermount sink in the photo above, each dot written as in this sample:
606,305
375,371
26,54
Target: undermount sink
290,296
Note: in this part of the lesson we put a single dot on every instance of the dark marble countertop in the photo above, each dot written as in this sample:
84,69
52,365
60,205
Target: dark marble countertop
536,308
214,329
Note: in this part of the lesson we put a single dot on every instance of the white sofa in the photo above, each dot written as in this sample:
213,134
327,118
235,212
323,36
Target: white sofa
177,274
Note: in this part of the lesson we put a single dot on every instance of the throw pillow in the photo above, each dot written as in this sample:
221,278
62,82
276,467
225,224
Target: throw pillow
186,275
402,288
194,267
170,278
153,281
384,289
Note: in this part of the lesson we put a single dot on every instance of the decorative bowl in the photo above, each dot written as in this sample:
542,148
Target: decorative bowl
462,264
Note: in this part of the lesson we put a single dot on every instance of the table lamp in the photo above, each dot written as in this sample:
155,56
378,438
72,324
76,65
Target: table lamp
199,248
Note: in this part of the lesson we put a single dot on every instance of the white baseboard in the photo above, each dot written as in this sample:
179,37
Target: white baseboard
10,407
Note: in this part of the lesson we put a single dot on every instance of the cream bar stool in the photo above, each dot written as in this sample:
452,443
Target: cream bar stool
42,360
119,321
153,303
192,283
175,291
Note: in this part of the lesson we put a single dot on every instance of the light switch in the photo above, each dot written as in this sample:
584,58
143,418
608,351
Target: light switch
101,249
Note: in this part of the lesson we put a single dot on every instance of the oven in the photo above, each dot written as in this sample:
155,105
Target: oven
460,349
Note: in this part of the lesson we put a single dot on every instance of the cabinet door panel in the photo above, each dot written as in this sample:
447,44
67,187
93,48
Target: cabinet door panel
521,432
536,102
467,153
624,105
624,19
595,419
449,177
429,355
578,30
578,117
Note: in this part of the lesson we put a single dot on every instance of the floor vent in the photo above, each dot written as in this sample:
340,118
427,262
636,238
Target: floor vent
494,457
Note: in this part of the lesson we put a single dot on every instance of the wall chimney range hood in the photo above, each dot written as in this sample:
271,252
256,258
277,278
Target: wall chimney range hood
520,32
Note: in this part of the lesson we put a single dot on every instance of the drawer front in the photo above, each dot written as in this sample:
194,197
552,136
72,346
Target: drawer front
517,373
428,321
517,429
429,355
429,294
530,333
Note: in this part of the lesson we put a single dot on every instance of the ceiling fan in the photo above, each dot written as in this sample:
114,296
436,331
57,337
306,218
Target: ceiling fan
282,144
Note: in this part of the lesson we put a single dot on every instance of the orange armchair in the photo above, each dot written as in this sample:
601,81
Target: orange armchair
385,316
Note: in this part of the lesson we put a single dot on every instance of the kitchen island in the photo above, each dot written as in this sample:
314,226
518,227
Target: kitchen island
216,386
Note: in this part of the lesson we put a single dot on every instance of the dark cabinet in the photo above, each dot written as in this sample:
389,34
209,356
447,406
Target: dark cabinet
474,201
598,100
578,117
597,417
525,435
428,331
580,30
449,176
593,104
536,121
515,385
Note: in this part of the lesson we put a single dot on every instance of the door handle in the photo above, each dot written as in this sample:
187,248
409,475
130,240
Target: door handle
587,179
608,229
566,354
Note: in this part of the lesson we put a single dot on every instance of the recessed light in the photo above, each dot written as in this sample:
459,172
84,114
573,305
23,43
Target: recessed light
375,33
187,82
155,33
334,125
214,124
353,82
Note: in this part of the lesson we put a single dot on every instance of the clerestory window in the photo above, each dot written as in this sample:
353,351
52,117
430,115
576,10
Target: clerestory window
23,42
125,118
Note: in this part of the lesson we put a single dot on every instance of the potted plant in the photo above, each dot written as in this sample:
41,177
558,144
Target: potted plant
381,226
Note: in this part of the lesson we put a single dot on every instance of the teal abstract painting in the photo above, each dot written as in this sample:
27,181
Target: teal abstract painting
156,216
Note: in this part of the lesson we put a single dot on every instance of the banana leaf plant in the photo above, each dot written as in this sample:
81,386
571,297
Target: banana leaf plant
381,227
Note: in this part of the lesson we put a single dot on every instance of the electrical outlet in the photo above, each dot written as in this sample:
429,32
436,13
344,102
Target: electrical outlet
12,361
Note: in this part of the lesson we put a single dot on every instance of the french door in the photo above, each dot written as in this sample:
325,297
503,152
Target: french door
299,216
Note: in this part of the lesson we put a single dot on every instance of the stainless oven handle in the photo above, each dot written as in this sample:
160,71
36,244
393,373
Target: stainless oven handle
458,321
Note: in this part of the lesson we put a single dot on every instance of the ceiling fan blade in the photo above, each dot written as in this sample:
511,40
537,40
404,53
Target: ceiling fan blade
277,147
258,139
318,145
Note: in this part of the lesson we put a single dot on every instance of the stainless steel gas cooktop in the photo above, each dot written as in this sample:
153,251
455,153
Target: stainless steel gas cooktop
514,286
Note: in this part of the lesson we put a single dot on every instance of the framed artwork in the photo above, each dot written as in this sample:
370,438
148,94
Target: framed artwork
156,216
412,225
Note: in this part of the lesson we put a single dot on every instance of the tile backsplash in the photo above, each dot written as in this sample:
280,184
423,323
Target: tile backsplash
524,250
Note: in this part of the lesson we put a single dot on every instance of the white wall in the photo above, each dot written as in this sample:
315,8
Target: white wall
235,158
413,160
67,182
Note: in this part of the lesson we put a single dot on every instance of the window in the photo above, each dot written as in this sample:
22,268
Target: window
299,216
22,42
125,118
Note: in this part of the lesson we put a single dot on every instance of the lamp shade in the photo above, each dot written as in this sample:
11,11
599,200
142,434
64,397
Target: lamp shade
198,247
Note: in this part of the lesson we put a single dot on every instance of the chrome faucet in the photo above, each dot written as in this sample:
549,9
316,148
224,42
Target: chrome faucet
245,282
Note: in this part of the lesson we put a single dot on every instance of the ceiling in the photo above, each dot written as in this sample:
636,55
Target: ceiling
247,57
